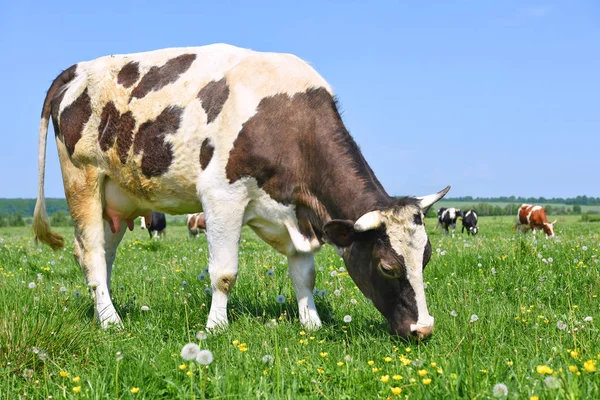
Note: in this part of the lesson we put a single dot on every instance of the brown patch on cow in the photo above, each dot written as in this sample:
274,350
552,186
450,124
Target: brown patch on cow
300,141
73,118
56,93
114,125
129,74
158,77
206,152
213,96
150,140
225,283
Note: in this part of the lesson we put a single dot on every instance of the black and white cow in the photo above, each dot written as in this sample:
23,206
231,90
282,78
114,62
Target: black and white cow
157,226
469,221
447,218
247,137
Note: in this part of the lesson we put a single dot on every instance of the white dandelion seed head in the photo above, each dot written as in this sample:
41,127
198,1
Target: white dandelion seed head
31,285
36,350
271,324
43,355
479,265
493,271
201,335
347,319
145,308
453,313
552,382
280,299
550,260
268,359
588,319
62,289
540,255
353,301
341,269
202,276
119,356
561,325
333,274
474,318
584,248
337,292
443,253
207,290
40,277
348,358
204,357
500,390
190,351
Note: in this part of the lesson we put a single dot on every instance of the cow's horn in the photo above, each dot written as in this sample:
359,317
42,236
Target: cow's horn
553,222
371,220
427,201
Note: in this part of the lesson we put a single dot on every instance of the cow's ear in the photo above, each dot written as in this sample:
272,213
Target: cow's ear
340,232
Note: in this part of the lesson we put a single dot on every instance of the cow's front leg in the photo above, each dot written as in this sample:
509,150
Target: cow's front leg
224,226
302,273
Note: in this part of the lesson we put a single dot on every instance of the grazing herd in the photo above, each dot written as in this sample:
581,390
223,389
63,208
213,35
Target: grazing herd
248,138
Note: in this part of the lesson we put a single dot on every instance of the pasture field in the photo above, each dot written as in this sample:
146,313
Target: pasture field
473,204
509,309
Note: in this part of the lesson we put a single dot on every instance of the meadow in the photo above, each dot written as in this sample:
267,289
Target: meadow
515,315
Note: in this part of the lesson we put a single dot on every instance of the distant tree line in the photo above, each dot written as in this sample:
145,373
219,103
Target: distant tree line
25,207
579,200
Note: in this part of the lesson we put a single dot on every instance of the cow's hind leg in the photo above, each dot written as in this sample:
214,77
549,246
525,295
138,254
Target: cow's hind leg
224,221
302,273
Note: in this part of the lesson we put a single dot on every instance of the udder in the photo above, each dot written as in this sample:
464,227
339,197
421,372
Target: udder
119,206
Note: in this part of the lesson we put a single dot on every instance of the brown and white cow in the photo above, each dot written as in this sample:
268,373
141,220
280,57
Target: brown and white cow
247,137
196,224
534,217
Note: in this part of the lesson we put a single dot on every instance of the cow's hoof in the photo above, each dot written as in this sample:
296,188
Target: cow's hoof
312,325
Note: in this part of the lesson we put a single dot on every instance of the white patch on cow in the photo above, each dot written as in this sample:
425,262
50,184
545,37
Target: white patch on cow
302,274
143,223
409,240
468,213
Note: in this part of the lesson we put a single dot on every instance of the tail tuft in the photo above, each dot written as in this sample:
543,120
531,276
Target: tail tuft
41,227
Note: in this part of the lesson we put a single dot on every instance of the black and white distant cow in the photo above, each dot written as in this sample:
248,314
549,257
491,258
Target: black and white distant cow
247,137
469,221
447,218
157,226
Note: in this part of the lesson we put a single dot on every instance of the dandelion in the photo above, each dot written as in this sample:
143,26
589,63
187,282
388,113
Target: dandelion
573,368
396,391
119,356
453,313
588,319
36,350
574,354
552,382
243,348
182,367
584,248
333,274
32,285
76,389
62,289
370,362
353,301
348,359
204,357
337,292
64,374
385,378
145,308
397,377
474,318
43,355
347,319
544,370
426,381
27,373
190,351
589,365
121,288
280,299
500,390
201,335
134,390
534,398
561,325
268,359
323,354
184,284
208,291
340,363
387,359
422,372
550,260
201,276
271,324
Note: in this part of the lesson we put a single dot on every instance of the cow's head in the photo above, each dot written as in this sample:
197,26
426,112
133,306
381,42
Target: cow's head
549,228
474,230
385,252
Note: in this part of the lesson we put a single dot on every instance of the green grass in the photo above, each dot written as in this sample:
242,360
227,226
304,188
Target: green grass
503,278
473,204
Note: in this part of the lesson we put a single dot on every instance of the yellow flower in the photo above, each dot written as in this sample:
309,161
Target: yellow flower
534,398
407,349
397,377
574,354
340,363
453,376
235,342
266,372
509,363
426,381
589,365
374,369
385,379
302,333
433,364
370,362
422,372
388,359
300,362
320,370
413,380
440,371
77,389
323,354
483,371
189,373
76,379
64,374
182,367
404,360
572,368
544,370
396,391
243,348
134,390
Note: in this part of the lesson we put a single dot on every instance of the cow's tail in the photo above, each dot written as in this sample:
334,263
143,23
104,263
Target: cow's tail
41,223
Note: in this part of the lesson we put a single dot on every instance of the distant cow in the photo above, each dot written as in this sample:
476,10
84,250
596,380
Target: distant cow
158,224
196,223
447,218
251,139
534,217
469,221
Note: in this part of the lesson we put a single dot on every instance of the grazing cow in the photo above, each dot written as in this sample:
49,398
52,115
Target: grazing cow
447,218
196,223
157,226
534,217
249,138
469,221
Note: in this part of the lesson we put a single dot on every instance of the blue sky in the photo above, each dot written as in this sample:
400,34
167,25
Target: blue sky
492,97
